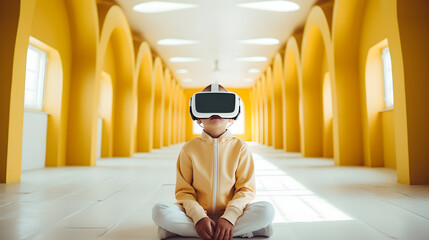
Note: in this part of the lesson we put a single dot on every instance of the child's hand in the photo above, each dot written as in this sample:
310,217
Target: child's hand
205,228
224,230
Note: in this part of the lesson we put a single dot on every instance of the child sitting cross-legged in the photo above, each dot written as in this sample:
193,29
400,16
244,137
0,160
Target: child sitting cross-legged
215,186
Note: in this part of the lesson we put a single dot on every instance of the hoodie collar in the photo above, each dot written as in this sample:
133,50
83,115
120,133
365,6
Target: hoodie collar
225,136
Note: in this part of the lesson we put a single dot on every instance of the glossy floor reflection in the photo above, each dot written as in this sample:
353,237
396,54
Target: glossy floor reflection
313,199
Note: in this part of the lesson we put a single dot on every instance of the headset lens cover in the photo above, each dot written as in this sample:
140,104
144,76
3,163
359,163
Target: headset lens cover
215,102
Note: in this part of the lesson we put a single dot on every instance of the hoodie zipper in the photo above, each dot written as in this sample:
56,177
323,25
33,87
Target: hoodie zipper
215,176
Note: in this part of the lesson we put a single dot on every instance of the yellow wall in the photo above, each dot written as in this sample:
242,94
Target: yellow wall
389,145
83,39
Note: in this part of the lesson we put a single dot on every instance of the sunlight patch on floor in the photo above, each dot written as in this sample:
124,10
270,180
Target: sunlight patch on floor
292,201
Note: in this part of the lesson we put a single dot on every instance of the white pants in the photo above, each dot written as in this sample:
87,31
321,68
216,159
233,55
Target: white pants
172,217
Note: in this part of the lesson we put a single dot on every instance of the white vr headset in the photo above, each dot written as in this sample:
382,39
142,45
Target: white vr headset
207,104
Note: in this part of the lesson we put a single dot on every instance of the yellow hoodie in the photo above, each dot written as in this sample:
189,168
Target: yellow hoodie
215,177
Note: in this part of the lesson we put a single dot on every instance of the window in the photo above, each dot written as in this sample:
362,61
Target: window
388,79
35,78
236,128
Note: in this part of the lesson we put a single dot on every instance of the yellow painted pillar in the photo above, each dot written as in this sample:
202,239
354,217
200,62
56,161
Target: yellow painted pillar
261,111
347,114
184,115
175,118
84,84
167,108
146,98
278,102
159,104
270,106
312,137
252,102
172,89
291,95
265,112
180,115
15,19
411,91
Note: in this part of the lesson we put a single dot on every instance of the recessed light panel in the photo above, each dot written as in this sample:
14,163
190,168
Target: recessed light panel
254,70
260,41
275,6
182,71
252,59
175,42
183,59
158,7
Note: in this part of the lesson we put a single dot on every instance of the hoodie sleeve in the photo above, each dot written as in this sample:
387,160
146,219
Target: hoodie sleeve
185,192
244,186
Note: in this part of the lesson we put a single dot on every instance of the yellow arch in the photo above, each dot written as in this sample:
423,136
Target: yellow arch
116,31
316,45
264,110
260,117
82,122
277,102
145,98
269,90
158,75
174,110
292,126
348,141
409,66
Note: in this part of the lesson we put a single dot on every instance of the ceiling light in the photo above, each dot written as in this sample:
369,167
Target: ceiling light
175,42
157,6
187,80
275,6
183,59
261,41
254,70
182,71
252,59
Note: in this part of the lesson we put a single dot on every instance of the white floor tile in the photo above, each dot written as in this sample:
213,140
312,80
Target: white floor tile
313,199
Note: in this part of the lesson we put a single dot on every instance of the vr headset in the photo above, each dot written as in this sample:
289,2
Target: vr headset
223,104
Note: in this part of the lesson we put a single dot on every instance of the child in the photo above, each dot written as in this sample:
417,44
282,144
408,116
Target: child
215,184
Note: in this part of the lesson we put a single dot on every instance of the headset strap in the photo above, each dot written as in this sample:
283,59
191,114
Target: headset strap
215,87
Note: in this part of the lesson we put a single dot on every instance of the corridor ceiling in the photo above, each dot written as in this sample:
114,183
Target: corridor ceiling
218,26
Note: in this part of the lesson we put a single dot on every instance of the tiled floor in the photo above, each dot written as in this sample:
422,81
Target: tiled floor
313,199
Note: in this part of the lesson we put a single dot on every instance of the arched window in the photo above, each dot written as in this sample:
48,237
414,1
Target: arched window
388,80
35,78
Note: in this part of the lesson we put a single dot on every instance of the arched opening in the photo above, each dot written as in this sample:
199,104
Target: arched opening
105,105
315,66
118,63
145,99
327,116
291,132
378,125
42,143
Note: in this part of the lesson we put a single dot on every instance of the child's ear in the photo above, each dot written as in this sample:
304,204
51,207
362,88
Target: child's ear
231,120
199,121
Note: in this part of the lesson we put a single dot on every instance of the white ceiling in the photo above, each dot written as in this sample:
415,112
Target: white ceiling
218,25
